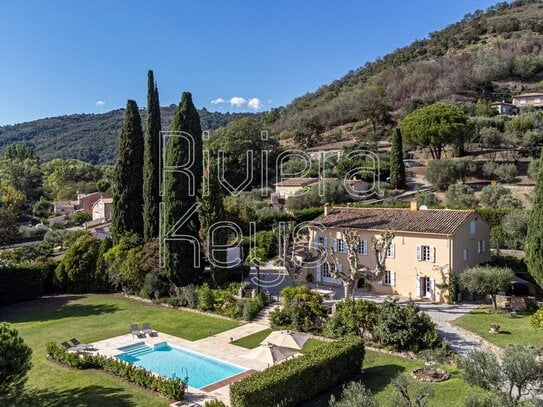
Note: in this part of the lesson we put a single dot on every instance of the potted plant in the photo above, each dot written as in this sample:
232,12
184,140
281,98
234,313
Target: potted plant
494,329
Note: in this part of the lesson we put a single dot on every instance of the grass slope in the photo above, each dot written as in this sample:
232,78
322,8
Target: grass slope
91,318
513,330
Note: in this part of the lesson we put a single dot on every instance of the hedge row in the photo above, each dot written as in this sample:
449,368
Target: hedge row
21,283
303,378
171,388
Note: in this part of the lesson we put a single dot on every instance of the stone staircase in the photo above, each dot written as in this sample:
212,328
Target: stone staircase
262,317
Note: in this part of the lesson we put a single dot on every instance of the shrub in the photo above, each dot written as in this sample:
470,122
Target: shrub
506,172
214,403
171,388
77,270
481,369
21,282
354,394
154,286
206,298
533,169
352,317
410,394
301,379
536,319
404,328
442,173
487,280
267,240
489,169
302,310
498,196
251,307
514,228
460,195
14,362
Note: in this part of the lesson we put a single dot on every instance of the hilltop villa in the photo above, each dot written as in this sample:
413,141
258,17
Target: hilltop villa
427,246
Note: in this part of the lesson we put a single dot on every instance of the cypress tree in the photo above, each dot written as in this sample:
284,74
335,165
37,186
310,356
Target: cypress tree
397,167
179,261
151,170
128,177
534,236
211,211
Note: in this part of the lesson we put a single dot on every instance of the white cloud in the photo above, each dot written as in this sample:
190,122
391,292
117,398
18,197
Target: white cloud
217,101
100,103
238,101
254,104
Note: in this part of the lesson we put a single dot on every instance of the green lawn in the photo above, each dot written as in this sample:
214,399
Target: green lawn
380,369
91,318
253,340
513,329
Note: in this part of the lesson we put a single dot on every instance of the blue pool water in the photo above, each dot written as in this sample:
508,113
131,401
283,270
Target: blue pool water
169,361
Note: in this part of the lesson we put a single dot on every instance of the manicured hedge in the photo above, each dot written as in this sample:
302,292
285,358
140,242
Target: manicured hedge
171,388
300,379
20,283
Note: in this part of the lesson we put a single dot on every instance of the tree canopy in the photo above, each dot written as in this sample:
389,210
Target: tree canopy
435,126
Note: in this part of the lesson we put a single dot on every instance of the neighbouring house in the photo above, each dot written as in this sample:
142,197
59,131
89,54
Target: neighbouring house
427,246
505,108
290,186
84,202
534,99
102,208
328,150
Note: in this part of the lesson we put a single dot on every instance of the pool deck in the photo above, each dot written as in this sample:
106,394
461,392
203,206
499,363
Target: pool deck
217,346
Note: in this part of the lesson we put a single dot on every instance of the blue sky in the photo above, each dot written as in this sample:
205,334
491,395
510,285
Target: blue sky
62,57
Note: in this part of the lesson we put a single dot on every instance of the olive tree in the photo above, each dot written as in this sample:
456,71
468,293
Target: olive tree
487,280
355,269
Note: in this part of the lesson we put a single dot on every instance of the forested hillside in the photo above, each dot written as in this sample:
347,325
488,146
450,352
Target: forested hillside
89,137
489,54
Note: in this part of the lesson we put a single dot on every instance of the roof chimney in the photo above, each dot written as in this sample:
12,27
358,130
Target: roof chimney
327,209
414,205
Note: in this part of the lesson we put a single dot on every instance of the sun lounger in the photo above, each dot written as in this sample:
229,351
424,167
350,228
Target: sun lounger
71,348
135,331
147,329
78,344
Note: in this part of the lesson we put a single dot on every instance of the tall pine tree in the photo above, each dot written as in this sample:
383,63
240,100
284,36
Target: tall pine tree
128,178
397,166
179,201
151,170
534,237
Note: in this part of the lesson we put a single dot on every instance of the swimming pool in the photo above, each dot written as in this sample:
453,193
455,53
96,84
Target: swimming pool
169,361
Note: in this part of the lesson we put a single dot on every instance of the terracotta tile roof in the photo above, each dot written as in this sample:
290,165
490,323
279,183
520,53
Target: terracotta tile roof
435,221
526,95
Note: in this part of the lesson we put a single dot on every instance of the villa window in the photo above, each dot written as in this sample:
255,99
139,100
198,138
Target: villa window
341,246
326,270
426,253
362,247
472,227
481,246
391,251
389,278
466,254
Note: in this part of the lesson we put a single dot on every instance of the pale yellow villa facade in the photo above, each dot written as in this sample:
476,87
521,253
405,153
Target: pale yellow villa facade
428,244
